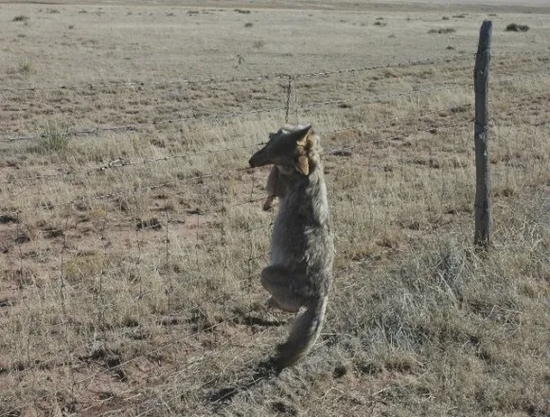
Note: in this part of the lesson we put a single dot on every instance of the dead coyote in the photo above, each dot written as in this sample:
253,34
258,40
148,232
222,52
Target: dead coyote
302,249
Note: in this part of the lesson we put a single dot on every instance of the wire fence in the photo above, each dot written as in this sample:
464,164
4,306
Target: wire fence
286,109
121,163
289,85
254,79
262,77
223,116
225,237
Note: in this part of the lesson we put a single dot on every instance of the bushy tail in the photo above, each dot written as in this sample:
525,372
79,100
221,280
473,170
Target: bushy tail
304,334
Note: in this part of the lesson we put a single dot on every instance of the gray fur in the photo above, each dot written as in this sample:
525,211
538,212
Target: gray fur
302,248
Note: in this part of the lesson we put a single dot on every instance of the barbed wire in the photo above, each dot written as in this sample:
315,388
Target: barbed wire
200,177
120,163
135,126
260,77
232,115
192,177
419,92
82,199
224,116
255,78
249,201
153,224
427,61
203,241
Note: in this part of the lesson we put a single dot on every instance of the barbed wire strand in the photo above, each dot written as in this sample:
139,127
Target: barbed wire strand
81,199
121,163
261,77
232,115
224,116
195,177
335,151
256,78
135,126
118,164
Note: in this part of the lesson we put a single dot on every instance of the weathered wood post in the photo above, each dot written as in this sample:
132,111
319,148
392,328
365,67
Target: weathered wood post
481,130
288,96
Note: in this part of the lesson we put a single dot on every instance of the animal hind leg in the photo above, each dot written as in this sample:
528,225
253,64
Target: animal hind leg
279,282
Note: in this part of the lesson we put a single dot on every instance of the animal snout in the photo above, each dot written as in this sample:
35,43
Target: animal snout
259,159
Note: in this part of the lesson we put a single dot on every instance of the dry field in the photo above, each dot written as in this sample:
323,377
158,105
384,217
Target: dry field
132,235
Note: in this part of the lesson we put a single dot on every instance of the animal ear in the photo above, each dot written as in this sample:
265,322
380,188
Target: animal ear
302,165
302,133
303,145
305,129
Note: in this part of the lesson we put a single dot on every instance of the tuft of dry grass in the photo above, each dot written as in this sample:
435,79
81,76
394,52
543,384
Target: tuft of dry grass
514,27
24,68
442,30
20,18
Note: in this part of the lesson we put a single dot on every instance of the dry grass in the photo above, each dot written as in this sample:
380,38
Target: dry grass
514,27
130,259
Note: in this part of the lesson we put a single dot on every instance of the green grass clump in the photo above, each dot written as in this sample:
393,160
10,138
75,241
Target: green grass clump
54,138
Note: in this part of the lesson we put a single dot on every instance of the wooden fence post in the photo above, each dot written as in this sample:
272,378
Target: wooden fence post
481,128
288,96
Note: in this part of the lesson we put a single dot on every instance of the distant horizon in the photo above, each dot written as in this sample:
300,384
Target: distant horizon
449,2
477,2
495,2
287,3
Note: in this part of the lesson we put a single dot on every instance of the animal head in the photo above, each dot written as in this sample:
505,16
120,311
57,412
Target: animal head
291,149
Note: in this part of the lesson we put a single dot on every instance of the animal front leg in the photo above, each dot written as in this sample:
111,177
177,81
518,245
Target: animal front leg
271,188
279,282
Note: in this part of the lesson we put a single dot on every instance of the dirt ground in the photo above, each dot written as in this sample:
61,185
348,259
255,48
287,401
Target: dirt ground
131,229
